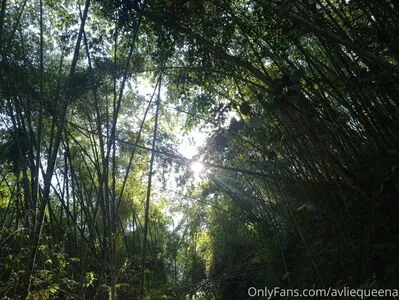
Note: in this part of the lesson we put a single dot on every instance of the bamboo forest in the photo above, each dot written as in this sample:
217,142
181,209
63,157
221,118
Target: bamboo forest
186,149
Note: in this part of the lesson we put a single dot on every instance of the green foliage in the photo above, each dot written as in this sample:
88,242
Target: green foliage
300,102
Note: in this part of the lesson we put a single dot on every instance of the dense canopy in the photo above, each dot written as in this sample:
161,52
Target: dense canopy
181,149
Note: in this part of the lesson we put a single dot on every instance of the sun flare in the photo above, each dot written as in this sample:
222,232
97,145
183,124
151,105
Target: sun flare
196,167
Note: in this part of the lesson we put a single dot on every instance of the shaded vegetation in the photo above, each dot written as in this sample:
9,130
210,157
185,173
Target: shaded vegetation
298,100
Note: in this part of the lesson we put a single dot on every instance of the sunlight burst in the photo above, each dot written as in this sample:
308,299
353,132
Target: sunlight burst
196,167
